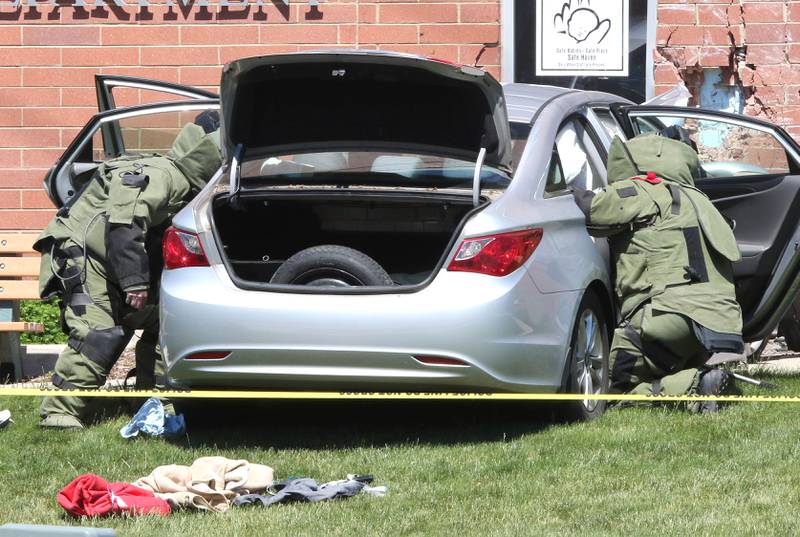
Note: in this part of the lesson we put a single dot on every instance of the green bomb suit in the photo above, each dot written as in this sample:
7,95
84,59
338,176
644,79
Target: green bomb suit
672,252
105,244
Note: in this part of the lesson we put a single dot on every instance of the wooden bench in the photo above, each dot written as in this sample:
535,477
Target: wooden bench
19,280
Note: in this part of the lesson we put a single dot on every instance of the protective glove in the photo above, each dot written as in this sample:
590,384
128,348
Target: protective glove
583,198
137,299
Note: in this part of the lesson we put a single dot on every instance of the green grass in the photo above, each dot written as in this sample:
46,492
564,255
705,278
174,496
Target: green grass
452,469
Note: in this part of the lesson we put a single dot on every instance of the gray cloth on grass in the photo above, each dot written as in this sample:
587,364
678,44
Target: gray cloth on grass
304,489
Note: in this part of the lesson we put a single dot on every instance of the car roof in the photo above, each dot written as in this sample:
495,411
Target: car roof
524,100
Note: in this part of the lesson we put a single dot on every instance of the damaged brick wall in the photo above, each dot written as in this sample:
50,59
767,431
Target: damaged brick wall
754,43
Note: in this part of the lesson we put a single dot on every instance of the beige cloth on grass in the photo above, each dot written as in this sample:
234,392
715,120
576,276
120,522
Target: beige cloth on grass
209,484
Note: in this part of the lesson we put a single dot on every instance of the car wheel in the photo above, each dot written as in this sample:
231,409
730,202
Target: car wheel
789,327
588,368
331,266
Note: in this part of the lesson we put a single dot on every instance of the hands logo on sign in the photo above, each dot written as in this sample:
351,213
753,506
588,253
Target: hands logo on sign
579,21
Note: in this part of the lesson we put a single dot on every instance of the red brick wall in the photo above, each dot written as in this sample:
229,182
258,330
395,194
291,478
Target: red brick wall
755,42
49,55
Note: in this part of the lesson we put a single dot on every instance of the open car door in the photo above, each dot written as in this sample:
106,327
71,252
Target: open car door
117,91
108,86
141,128
752,174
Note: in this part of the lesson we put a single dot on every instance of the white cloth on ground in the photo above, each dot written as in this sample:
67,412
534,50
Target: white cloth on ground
209,484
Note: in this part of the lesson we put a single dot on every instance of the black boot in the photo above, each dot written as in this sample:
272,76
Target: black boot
715,382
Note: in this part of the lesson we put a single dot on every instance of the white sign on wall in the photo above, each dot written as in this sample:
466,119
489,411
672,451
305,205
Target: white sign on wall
582,37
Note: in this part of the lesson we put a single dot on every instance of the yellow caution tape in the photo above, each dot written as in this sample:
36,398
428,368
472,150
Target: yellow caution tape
417,396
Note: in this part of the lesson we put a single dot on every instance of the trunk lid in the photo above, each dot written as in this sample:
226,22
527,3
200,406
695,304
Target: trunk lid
335,101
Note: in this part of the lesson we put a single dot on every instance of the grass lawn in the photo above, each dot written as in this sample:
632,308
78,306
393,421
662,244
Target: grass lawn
457,468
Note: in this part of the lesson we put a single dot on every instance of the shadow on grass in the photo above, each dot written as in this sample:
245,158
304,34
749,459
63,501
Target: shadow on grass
350,424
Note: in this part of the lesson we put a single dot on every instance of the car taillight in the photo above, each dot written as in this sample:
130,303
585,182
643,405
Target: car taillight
183,249
496,255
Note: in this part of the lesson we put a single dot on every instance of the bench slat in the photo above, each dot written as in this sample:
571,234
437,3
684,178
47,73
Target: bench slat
21,326
19,290
16,243
19,266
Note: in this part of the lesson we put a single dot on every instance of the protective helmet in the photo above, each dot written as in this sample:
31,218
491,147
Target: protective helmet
669,159
196,154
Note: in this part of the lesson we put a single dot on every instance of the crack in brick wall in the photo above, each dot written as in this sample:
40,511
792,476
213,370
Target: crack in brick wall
756,44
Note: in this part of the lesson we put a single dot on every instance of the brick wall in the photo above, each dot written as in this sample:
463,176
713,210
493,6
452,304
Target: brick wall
756,44
49,55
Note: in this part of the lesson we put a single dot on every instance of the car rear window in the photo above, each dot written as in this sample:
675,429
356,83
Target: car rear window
371,168
519,137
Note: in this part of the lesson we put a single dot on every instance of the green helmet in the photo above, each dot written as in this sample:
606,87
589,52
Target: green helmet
196,154
669,159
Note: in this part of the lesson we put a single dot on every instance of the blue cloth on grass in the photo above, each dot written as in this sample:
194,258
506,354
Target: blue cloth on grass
151,420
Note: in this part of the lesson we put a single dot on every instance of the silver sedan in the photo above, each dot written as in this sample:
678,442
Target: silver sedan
493,283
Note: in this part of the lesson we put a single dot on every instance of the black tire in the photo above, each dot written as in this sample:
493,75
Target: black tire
583,410
789,327
330,265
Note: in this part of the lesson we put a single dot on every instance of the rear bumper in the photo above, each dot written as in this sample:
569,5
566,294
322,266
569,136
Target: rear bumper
510,336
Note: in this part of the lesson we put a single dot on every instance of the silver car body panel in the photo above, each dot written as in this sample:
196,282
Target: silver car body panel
314,340
512,332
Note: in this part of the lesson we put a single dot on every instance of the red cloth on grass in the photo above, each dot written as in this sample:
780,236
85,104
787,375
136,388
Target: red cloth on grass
91,495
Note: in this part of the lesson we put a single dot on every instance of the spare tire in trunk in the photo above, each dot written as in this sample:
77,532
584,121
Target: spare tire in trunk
331,265
410,235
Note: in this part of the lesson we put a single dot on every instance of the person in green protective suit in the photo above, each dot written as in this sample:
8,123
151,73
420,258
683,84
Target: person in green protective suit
102,255
673,254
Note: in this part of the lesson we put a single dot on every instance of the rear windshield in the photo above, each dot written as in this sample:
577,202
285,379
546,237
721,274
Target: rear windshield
370,168
519,137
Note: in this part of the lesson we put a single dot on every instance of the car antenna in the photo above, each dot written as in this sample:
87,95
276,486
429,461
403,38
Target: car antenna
235,176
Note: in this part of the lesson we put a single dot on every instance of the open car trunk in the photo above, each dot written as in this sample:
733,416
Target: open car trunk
409,235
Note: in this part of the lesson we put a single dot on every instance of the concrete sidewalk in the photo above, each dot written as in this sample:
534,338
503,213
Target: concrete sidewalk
38,362
779,366
776,359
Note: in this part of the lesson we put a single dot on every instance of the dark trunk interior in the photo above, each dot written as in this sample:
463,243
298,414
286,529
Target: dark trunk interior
406,234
